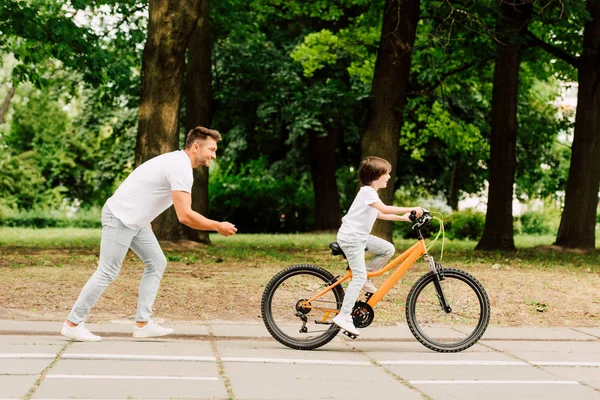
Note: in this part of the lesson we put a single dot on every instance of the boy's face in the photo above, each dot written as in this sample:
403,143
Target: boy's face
381,182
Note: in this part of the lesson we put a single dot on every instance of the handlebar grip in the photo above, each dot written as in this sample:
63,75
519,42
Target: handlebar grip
413,216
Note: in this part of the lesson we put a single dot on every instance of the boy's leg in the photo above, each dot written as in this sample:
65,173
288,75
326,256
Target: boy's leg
116,238
147,248
383,251
356,261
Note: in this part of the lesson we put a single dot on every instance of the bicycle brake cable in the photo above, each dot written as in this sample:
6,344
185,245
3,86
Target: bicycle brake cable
430,245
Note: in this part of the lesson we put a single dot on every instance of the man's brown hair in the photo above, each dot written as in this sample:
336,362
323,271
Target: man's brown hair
373,168
200,133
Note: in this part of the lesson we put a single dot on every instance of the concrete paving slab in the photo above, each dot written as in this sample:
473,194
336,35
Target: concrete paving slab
400,349
528,333
589,376
396,332
269,381
23,366
335,352
16,386
538,349
236,330
381,355
12,340
503,391
63,388
590,331
475,372
135,368
153,347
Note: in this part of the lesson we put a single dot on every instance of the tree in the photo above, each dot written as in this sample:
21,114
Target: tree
498,231
578,220
170,27
199,110
388,95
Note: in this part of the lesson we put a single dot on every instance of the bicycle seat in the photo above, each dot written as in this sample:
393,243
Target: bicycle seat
336,250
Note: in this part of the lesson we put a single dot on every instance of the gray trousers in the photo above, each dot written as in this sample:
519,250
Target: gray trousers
355,253
116,241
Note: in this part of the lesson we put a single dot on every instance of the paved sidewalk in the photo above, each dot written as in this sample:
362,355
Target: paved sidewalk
256,330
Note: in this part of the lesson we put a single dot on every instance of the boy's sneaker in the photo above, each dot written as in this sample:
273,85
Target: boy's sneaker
345,322
369,287
152,329
79,333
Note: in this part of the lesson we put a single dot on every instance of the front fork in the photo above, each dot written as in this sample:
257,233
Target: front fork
438,276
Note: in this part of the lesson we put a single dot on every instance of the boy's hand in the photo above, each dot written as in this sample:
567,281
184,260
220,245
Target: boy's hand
405,217
418,210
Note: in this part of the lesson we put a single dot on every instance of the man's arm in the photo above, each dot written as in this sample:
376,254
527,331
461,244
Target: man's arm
183,207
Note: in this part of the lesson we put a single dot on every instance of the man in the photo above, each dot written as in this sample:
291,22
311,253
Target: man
148,191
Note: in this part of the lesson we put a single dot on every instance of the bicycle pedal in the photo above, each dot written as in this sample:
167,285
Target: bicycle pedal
350,335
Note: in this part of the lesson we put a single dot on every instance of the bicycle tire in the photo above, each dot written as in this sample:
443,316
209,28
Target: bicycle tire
278,308
421,311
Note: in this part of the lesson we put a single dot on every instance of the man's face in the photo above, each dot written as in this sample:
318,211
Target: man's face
203,151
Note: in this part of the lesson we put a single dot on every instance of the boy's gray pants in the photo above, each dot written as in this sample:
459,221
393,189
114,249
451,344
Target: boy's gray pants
355,253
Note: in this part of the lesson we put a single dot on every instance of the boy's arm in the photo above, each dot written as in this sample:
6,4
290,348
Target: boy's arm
393,217
383,209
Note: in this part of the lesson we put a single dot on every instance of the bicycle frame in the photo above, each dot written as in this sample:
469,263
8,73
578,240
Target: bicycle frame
403,262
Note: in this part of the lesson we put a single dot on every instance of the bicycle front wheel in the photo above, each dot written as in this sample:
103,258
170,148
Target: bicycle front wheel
456,328
290,318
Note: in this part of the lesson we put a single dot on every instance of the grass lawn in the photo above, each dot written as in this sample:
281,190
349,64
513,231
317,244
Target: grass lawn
42,272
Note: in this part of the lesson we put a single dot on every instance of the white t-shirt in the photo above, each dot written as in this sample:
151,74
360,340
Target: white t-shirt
358,223
146,192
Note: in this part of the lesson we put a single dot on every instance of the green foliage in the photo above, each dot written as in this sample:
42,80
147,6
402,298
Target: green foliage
257,201
38,218
540,222
467,224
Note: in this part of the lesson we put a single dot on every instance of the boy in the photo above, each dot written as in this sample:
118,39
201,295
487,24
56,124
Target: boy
354,234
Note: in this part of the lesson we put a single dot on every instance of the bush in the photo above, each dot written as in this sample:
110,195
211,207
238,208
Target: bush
51,219
467,224
539,222
258,202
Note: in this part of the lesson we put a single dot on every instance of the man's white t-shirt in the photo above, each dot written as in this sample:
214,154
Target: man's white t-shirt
146,192
358,223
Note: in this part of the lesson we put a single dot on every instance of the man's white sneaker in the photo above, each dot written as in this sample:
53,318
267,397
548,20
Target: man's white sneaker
369,287
152,329
345,322
79,333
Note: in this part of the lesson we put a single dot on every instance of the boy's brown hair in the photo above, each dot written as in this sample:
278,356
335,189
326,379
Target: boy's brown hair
373,168
200,133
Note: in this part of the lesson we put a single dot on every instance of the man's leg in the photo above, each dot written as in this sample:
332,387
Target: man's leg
147,248
116,238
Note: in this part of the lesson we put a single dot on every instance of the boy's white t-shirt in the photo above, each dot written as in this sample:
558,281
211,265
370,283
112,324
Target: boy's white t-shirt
146,192
358,223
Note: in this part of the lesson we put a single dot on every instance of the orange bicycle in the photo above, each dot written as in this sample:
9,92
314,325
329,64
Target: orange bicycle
447,309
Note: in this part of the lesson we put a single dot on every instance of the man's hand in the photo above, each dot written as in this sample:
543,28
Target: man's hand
226,229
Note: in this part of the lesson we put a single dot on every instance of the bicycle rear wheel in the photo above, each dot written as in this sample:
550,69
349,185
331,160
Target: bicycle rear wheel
287,315
452,331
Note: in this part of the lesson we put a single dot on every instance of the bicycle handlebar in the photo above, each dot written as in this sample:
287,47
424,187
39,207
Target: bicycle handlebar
421,221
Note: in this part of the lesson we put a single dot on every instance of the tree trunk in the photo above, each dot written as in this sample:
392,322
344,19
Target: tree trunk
578,220
388,95
498,230
322,166
199,109
453,191
6,103
170,26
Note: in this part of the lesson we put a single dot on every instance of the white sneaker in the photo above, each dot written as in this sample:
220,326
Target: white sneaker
345,322
79,333
152,329
369,287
